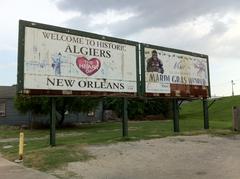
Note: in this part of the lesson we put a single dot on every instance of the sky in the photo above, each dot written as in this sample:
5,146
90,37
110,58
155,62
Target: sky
207,27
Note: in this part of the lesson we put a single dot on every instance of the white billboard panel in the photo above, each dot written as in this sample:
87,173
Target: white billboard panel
62,61
163,68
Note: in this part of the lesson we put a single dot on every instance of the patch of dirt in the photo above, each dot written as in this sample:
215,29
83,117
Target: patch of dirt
179,157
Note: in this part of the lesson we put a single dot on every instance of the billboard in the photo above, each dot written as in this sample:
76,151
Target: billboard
174,73
57,61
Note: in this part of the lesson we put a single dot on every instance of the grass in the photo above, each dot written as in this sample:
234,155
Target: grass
71,142
13,131
50,158
220,113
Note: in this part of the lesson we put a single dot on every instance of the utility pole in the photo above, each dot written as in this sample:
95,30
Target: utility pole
232,87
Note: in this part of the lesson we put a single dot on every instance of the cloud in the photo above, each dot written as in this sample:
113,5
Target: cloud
94,6
148,14
209,27
38,11
7,66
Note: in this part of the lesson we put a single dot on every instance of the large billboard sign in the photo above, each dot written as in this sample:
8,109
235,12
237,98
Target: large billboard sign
59,61
174,73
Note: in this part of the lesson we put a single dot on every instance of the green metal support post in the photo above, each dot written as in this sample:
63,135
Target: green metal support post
205,113
102,103
175,116
125,118
53,122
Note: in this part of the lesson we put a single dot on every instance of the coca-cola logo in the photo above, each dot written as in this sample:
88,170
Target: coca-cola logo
89,67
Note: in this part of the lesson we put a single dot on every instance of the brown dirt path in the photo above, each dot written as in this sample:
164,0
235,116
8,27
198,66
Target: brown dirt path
179,157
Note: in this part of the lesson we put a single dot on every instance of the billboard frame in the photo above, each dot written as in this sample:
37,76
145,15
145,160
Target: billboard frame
161,95
42,92
140,84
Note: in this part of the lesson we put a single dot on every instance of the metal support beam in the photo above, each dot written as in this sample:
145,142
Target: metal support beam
175,115
212,103
103,105
53,122
125,118
179,104
205,113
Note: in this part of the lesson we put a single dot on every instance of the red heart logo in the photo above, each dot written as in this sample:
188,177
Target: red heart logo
89,67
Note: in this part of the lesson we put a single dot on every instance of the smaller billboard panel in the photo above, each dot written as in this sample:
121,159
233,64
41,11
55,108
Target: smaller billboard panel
175,73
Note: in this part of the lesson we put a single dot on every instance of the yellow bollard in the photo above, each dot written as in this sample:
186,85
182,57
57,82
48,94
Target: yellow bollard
21,145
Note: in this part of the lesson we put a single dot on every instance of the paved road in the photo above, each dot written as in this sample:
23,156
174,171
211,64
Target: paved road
10,170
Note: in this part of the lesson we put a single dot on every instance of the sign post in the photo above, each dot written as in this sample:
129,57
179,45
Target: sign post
53,122
175,116
205,113
125,118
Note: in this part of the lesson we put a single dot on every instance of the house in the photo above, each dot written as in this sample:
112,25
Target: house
9,115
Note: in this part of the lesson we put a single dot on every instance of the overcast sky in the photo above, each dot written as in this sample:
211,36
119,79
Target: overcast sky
210,27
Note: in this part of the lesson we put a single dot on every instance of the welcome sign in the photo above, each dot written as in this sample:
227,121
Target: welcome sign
59,59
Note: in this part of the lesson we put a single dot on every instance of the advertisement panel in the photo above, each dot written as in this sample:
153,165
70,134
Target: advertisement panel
170,72
73,61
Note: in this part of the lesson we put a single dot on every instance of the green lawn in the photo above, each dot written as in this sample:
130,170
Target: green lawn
71,141
220,113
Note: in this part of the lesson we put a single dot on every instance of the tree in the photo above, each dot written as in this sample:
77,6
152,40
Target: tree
139,107
35,105
41,105
75,104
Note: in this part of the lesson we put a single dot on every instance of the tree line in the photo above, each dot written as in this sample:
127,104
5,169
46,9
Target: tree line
137,108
